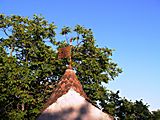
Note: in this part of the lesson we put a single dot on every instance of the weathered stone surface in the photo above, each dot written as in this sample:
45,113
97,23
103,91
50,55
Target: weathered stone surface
72,106
69,102
68,80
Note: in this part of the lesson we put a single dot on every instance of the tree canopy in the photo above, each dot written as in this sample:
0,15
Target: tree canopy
30,68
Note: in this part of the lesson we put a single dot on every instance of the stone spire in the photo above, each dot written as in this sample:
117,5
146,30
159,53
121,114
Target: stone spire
68,100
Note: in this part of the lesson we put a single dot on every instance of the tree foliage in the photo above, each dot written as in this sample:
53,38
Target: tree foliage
156,115
25,65
123,109
30,69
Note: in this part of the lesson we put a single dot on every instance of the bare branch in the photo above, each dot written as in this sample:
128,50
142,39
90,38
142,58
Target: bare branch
4,30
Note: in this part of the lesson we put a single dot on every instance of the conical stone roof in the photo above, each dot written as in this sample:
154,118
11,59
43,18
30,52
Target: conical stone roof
69,102
68,80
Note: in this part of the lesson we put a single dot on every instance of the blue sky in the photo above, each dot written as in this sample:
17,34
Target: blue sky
131,27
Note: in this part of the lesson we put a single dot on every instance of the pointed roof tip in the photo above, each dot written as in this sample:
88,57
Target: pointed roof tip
68,80
69,67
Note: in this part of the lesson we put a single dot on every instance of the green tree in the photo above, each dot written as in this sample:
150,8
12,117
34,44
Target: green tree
156,115
124,109
25,66
29,68
141,111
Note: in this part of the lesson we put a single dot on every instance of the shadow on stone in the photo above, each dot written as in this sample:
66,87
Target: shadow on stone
67,114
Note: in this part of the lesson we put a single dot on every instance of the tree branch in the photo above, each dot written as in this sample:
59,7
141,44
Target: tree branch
12,49
4,30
